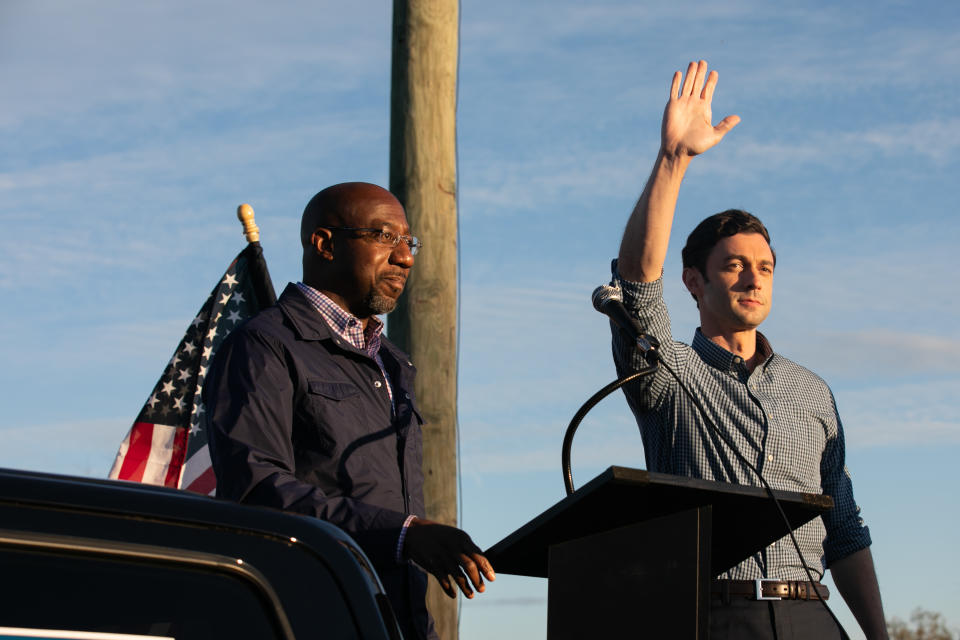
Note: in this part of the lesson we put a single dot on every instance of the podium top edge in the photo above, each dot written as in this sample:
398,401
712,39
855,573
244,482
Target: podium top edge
629,475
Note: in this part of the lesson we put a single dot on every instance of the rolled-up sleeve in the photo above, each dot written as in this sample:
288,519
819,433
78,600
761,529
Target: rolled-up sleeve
846,531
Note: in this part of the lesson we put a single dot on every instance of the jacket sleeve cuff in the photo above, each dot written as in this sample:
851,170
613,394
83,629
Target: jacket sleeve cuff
403,536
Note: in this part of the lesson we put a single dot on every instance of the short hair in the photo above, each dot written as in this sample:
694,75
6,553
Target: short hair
708,233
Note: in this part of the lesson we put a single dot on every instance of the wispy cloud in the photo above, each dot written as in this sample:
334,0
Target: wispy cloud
148,340
873,353
83,447
540,182
65,213
936,141
921,413
160,46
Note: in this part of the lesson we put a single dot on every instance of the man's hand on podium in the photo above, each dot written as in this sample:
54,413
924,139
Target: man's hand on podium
448,552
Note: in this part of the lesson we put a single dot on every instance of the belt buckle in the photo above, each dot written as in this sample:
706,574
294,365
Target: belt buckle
758,586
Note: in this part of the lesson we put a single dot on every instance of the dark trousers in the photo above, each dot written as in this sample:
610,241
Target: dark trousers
775,619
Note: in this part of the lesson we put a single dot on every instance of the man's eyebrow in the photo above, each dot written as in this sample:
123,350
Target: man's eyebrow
735,256
743,258
381,224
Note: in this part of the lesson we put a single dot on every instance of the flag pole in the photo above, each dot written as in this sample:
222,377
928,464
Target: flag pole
250,228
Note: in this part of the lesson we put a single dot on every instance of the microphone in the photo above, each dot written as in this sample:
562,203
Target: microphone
609,301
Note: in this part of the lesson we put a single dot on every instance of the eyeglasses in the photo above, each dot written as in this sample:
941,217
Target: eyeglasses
384,237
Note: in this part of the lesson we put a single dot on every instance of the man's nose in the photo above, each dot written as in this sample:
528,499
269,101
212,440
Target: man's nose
751,278
401,255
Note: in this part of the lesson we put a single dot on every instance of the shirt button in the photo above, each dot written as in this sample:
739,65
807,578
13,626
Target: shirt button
407,396
377,384
770,458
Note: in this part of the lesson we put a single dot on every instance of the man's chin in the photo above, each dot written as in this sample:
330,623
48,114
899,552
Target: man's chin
752,321
378,304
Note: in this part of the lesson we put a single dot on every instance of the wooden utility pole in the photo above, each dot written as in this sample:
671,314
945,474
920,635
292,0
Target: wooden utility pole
423,176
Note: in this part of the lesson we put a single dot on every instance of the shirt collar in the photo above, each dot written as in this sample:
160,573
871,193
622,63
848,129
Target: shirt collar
344,323
719,358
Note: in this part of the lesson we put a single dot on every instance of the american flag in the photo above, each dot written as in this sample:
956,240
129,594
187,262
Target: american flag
167,444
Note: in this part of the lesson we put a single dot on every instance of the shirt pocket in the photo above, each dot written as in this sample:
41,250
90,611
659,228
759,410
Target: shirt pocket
330,413
332,390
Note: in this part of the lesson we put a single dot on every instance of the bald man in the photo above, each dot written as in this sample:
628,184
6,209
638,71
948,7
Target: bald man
311,410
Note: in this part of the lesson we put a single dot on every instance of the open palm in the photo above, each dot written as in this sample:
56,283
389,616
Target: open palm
687,118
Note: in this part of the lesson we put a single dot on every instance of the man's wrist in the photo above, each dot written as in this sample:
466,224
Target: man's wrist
674,160
403,537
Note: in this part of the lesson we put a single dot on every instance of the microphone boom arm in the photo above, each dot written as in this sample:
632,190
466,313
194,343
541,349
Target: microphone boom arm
587,406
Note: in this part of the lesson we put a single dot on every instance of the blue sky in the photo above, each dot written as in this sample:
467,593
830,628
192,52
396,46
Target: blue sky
133,130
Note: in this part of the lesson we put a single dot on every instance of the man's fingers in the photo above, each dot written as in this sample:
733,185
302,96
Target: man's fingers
726,124
458,578
483,567
688,80
447,587
464,585
675,85
710,87
473,572
699,78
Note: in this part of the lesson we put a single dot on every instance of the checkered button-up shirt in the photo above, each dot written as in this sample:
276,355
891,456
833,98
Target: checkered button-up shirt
780,416
349,327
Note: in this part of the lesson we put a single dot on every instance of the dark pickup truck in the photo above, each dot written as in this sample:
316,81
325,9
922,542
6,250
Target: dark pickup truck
86,558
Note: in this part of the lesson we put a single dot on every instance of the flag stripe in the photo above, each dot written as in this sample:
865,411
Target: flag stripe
179,447
121,458
195,467
205,483
138,442
160,456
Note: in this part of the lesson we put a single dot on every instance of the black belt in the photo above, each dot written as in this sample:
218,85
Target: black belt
766,589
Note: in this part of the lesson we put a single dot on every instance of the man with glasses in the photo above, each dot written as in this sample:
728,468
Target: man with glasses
311,409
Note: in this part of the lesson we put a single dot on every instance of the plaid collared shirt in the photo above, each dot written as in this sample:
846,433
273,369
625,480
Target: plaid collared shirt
780,416
349,327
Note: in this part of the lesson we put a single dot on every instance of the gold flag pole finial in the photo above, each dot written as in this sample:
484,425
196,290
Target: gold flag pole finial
250,228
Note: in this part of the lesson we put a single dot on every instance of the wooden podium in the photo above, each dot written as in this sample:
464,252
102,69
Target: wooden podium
632,553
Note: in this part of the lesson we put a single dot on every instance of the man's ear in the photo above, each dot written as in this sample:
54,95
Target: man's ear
322,242
693,280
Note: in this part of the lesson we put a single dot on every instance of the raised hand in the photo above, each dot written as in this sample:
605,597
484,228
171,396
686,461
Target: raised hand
687,119
448,552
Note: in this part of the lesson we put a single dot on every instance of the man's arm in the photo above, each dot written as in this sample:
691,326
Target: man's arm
249,399
686,132
847,545
856,580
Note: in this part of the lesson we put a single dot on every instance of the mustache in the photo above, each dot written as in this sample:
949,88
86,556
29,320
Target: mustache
394,274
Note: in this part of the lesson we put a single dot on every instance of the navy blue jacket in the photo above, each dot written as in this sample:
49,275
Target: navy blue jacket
301,421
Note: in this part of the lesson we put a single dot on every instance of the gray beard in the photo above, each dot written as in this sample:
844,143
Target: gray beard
379,304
